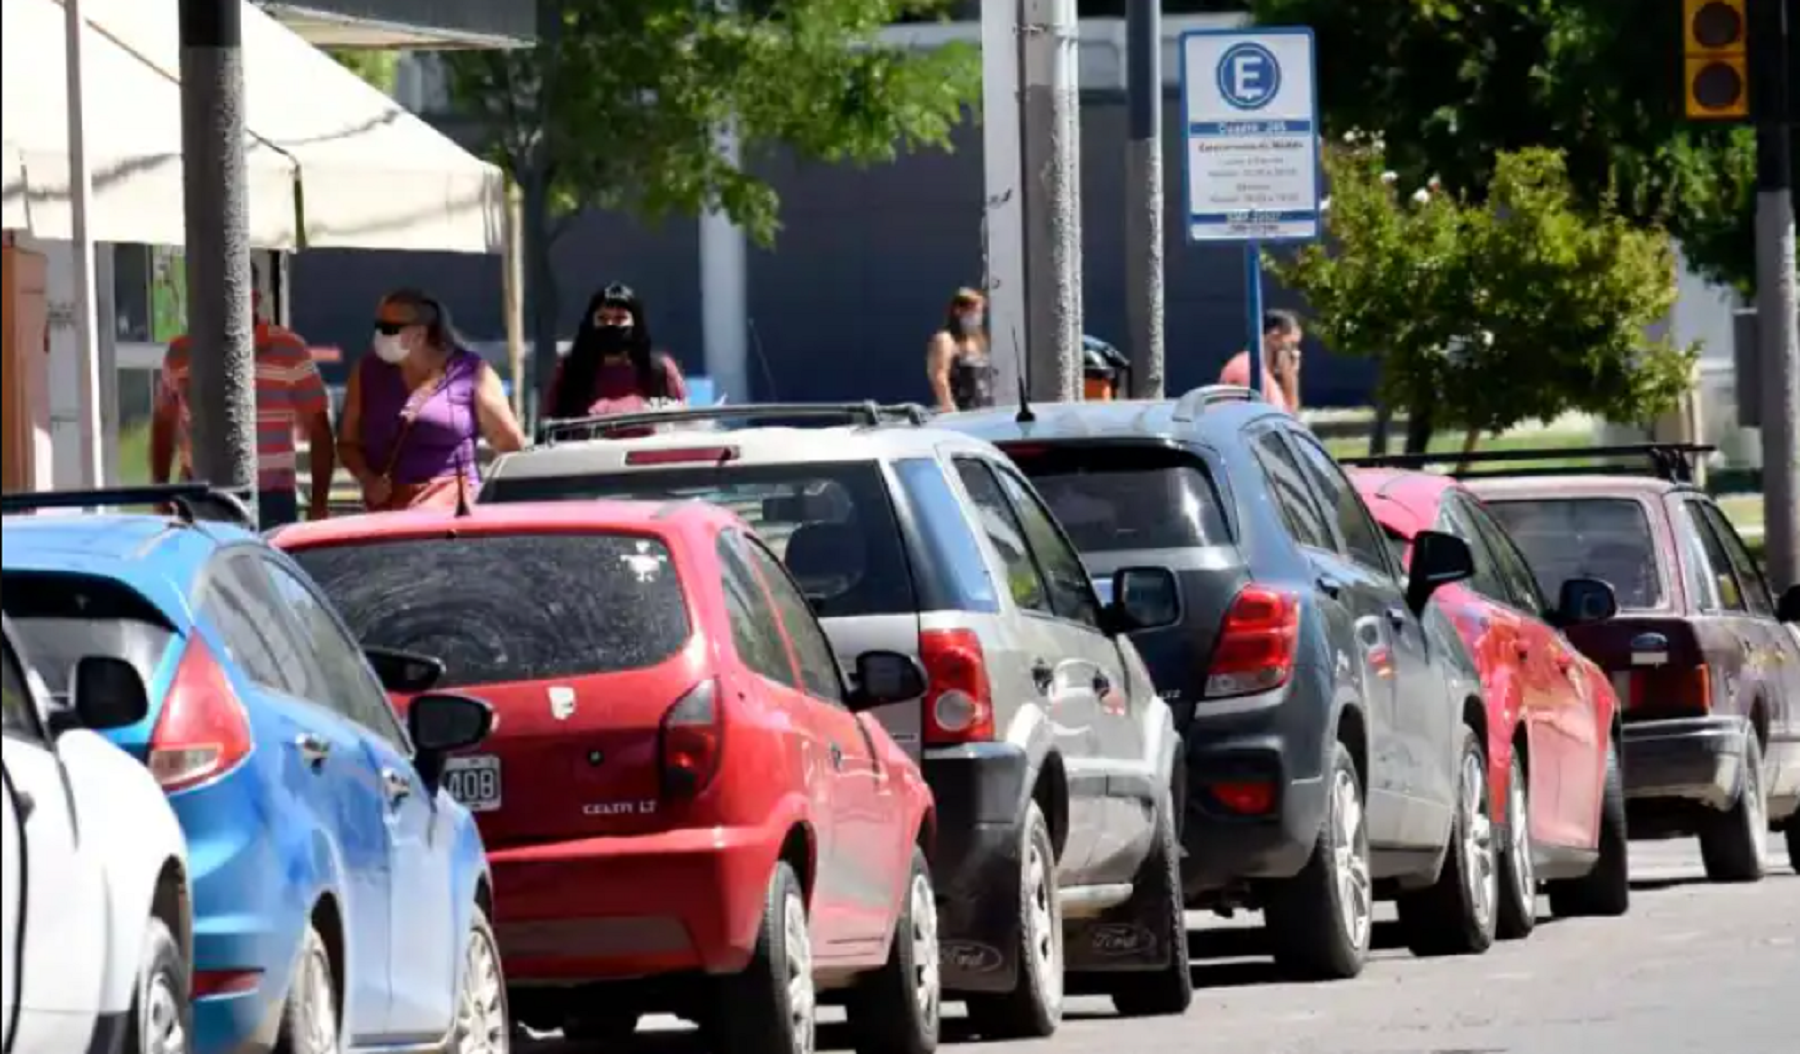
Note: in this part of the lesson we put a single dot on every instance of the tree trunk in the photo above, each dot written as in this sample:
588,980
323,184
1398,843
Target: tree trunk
541,301
1418,423
1471,440
1380,428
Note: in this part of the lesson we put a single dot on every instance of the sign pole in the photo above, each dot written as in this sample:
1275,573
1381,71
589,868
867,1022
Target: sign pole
1253,309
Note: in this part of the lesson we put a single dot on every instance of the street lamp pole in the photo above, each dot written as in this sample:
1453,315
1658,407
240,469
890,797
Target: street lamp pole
1773,38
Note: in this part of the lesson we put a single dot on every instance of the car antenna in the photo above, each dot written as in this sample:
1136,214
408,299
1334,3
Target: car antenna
1025,415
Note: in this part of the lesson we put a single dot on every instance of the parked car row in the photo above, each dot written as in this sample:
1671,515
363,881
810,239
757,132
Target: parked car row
764,708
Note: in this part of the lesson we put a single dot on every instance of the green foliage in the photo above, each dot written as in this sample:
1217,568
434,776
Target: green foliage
1452,83
378,67
1522,304
620,103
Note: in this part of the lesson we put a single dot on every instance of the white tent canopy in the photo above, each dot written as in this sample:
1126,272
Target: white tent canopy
361,171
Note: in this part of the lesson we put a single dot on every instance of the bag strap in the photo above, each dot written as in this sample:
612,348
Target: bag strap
408,414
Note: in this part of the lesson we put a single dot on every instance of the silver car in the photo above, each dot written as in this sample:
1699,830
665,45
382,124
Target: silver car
1041,735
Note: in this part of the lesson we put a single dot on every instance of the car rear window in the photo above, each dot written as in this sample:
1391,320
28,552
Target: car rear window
832,523
1126,497
62,618
1604,538
513,607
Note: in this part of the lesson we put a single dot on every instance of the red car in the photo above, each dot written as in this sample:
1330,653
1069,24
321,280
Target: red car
681,799
1552,713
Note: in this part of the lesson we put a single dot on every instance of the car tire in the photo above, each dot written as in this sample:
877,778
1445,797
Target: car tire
1455,915
1734,844
1518,873
483,1024
771,1006
1604,892
1033,1009
162,1011
310,1021
1170,989
1318,935
600,1028
897,1009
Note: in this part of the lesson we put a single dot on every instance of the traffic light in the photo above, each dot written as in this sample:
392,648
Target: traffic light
1716,78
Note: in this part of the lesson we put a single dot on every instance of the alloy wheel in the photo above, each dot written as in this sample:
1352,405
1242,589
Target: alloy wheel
801,996
318,996
926,977
165,1031
1479,871
481,1026
1045,939
1350,858
1518,836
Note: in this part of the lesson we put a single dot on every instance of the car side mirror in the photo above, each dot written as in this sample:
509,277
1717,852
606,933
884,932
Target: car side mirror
884,677
108,693
440,723
1142,598
1584,600
1438,559
408,673
1788,610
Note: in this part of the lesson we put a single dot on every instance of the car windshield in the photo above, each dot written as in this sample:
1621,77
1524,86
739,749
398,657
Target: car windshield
516,607
1110,500
831,523
63,617
1604,538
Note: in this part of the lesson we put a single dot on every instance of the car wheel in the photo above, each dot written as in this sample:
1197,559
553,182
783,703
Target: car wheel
1734,844
1169,990
1604,892
1793,842
600,1028
1518,873
1320,920
1033,1009
482,1023
1455,915
770,1007
162,1015
309,1019
895,1010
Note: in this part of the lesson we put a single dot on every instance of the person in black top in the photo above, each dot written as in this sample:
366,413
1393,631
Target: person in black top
956,360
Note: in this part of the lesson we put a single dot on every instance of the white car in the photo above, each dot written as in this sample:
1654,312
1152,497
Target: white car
94,911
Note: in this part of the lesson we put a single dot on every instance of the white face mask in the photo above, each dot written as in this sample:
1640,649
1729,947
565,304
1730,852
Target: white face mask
970,323
390,349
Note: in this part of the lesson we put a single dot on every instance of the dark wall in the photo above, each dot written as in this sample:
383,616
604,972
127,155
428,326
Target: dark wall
841,306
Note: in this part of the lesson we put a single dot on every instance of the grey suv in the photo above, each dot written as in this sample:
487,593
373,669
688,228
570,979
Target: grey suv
1042,738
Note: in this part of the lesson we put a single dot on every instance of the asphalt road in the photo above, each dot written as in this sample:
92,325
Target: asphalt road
1694,969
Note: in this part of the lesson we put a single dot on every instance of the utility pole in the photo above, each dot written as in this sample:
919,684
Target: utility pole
222,371
81,254
1773,38
1144,195
1052,222
1003,205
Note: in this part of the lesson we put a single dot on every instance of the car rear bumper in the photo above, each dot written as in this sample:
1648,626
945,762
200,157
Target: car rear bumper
1696,759
618,908
979,789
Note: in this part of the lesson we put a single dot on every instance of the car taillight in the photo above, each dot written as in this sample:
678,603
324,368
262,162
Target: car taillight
1679,689
959,702
203,731
1255,651
693,733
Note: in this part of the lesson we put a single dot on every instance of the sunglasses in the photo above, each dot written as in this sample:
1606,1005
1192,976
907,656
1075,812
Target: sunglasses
390,329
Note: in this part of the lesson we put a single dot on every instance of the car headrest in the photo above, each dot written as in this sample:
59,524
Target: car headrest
829,559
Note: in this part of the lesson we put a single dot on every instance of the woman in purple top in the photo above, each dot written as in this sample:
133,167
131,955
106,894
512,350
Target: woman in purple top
415,409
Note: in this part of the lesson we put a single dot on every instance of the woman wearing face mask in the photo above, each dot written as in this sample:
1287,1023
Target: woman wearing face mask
956,360
612,367
416,407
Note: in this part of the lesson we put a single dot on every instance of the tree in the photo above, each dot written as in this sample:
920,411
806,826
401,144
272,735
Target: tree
377,66
1453,83
1486,313
620,104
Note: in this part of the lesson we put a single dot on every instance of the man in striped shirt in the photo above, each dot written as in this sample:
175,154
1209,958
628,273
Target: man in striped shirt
290,397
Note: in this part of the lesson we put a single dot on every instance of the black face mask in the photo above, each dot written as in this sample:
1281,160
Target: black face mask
613,340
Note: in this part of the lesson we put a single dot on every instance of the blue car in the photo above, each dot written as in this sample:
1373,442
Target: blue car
341,898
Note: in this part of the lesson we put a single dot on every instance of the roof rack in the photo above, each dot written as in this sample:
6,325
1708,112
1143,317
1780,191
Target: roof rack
1671,461
192,502
868,412
1192,403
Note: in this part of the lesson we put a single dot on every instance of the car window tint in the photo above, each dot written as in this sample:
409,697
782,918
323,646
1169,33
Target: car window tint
506,608
240,605
61,618
1288,486
1749,576
832,523
755,627
1510,564
18,716
1003,530
1454,518
1604,538
1111,499
951,575
1071,590
350,687
1361,537
1727,593
820,675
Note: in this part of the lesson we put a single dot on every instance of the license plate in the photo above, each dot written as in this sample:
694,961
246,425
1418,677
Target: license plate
474,781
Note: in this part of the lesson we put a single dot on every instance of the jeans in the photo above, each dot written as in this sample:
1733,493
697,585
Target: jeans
277,508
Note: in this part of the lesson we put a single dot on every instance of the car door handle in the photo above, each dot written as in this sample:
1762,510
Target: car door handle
1042,675
26,805
313,748
397,786
836,753
1520,651
1330,586
1102,682
1397,617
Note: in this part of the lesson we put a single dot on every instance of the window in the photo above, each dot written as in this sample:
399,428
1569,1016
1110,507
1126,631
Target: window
506,608
1604,538
1339,497
1110,499
1071,591
819,671
951,574
1454,518
1008,538
1726,592
1749,575
62,618
18,715
1288,487
342,673
239,605
755,631
1509,564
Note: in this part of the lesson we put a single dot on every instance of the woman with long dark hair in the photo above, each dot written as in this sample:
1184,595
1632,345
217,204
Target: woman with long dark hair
956,360
613,367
